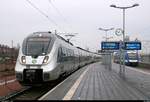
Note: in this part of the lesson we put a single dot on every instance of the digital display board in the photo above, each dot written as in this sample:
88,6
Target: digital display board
132,45
110,45
39,39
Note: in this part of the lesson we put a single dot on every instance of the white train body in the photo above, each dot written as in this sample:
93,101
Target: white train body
44,57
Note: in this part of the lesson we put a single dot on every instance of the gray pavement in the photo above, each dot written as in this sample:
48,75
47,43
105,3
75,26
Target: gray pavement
136,79
61,90
100,83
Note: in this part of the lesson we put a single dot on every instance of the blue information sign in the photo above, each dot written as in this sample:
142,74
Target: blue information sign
110,45
132,45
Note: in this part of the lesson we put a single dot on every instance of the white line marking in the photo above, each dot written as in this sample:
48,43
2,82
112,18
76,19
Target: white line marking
9,81
71,92
51,90
42,98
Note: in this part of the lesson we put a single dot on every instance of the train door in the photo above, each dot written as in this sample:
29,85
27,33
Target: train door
65,59
80,58
76,58
60,60
73,60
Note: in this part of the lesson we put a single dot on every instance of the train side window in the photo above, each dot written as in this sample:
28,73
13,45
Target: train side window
66,52
67,55
59,58
72,55
63,52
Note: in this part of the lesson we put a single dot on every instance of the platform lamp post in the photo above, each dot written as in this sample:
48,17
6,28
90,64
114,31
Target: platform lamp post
124,8
106,30
108,38
107,54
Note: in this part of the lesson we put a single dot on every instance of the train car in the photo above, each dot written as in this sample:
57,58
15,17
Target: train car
44,57
132,58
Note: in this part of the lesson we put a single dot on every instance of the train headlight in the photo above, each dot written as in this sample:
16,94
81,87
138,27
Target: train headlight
45,59
23,59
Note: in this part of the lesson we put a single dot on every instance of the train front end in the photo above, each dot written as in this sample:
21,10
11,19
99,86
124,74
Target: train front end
132,58
32,65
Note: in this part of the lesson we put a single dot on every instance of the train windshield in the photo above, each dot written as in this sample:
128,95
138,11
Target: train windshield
37,46
132,56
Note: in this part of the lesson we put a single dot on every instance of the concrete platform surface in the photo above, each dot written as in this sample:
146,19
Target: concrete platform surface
95,82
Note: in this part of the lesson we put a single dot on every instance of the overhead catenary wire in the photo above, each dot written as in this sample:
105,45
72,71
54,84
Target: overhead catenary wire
58,11
42,13
64,19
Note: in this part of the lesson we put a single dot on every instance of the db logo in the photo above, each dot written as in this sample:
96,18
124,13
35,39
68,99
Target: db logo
34,61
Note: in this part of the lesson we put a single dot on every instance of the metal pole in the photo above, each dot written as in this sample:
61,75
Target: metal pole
123,24
123,41
120,58
106,56
124,31
106,35
106,63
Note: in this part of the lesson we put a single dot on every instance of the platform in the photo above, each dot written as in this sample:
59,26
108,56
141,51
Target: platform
95,82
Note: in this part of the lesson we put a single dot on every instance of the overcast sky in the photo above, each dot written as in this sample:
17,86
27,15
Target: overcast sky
18,19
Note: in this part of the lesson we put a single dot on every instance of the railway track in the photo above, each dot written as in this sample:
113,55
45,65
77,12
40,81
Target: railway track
32,93
35,92
15,93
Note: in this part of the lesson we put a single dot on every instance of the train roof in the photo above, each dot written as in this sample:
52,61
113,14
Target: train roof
40,34
50,34
87,50
60,37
